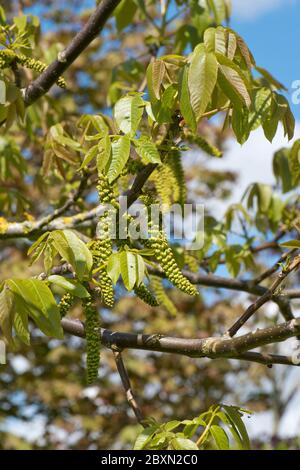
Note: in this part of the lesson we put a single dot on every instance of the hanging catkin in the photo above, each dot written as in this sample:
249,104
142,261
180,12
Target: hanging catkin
164,255
92,327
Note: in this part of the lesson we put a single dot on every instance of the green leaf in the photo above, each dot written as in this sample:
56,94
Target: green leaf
234,416
75,288
7,312
140,269
144,437
147,150
172,425
220,437
291,244
90,155
120,154
2,92
240,124
180,443
157,70
185,101
281,170
167,103
124,14
202,78
21,326
113,267
33,298
233,85
128,112
263,193
104,153
128,269
294,163
74,251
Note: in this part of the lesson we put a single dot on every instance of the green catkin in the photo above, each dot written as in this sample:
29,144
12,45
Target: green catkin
144,294
164,255
65,304
92,327
101,250
165,184
191,262
175,163
204,145
169,180
161,295
102,247
7,56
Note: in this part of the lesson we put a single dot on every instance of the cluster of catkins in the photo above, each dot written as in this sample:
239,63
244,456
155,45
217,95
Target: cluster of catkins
101,248
7,56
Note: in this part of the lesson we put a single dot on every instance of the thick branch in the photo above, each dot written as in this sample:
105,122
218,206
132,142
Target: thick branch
90,31
209,347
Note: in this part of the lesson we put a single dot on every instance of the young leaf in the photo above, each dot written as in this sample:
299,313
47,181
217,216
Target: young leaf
128,113
147,150
233,85
140,269
6,312
113,267
180,443
21,326
202,78
156,76
235,417
2,92
145,436
294,163
74,251
291,244
128,269
104,153
124,14
34,298
220,437
75,288
185,102
120,155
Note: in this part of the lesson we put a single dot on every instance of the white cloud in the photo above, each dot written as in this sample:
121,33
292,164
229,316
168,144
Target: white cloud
252,9
251,161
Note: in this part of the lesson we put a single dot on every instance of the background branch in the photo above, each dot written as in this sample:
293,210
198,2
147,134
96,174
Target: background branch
90,31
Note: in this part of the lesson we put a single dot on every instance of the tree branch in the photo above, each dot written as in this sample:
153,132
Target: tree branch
127,387
212,348
294,264
90,31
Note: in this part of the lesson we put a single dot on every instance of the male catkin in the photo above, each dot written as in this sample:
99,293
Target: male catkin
146,295
164,255
65,304
161,295
92,327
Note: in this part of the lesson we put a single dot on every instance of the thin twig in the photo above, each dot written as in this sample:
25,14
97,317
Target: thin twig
294,264
127,386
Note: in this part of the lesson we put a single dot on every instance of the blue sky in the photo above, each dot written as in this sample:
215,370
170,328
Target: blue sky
271,30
